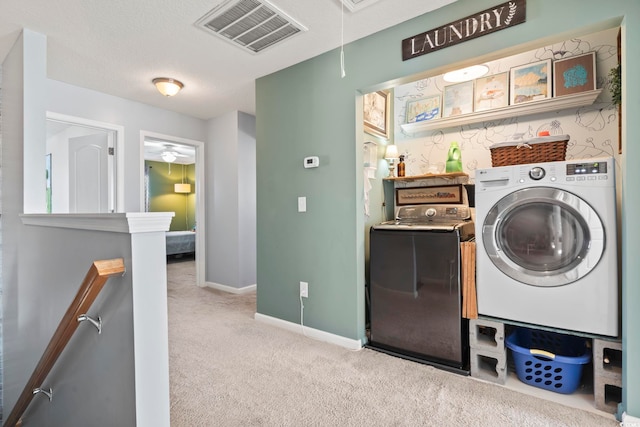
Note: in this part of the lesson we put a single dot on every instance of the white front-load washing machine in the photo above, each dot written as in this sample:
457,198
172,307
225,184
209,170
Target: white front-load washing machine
547,245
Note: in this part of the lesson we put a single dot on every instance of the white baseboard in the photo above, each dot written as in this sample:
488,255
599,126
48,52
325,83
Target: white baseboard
317,334
231,289
629,421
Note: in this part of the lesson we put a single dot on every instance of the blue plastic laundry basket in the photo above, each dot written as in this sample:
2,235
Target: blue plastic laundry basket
548,360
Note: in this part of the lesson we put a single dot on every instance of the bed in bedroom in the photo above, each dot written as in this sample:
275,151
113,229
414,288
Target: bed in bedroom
180,242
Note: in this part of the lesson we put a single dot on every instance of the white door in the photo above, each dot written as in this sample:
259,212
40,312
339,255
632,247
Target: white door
89,187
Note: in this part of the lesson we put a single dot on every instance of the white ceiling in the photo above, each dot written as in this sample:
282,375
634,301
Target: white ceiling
118,46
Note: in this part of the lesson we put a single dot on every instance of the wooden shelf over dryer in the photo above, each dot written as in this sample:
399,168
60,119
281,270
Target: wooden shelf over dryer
528,108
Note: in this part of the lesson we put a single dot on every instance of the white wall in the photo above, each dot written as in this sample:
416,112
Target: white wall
34,130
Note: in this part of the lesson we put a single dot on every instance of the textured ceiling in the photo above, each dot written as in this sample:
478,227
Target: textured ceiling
118,46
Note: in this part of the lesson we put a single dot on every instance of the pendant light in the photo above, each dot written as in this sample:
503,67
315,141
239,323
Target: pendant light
182,187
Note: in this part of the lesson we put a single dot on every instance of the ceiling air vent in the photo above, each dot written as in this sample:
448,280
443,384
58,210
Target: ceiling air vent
251,24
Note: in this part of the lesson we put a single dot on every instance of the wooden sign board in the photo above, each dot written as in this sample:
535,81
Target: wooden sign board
488,21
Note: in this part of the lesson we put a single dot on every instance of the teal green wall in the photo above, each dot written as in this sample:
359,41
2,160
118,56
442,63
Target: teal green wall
162,197
308,109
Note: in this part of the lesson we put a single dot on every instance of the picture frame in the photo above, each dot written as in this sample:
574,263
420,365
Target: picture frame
423,109
530,82
376,113
491,92
458,99
574,74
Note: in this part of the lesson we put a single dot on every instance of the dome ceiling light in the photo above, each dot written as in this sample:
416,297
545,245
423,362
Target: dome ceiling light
465,74
167,86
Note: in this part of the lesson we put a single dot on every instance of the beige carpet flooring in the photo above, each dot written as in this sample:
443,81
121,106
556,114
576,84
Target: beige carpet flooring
226,369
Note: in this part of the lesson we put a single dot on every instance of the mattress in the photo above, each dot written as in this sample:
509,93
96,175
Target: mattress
180,242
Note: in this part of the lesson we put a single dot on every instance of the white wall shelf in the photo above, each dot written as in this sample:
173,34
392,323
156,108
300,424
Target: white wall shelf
529,108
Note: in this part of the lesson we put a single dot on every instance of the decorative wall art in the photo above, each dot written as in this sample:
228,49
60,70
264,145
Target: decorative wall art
492,92
593,127
423,109
530,82
458,99
376,113
575,74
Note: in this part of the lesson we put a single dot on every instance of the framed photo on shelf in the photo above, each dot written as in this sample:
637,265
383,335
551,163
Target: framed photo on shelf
491,92
419,110
530,82
575,74
458,99
376,113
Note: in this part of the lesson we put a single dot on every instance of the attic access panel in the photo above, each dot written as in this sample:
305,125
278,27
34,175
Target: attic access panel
355,5
253,25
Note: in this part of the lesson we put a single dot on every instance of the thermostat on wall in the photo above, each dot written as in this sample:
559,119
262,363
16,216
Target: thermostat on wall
311,162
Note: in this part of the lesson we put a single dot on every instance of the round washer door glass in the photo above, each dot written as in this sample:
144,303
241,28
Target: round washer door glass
543,236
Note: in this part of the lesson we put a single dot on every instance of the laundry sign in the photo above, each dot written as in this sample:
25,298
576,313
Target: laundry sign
488,21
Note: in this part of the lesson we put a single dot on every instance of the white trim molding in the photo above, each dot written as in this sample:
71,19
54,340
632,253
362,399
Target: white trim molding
629,421
200,190
231,289
131,222
119,147
316,334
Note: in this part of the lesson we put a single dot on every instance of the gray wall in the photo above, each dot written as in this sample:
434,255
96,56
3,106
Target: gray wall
247,198
18,108
93,381
27,96
229,170
316,115
63,98
36,289
231,201
1,370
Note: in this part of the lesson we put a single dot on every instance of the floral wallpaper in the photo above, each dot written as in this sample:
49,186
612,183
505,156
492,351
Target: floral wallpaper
593,129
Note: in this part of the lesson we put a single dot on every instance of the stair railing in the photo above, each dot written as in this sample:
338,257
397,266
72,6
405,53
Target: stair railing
96,277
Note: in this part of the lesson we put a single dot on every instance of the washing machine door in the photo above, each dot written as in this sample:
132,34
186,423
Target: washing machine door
543,236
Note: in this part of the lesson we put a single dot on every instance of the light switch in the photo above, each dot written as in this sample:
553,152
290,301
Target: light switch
302,204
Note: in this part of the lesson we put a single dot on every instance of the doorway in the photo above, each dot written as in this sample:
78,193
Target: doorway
82,165
181,163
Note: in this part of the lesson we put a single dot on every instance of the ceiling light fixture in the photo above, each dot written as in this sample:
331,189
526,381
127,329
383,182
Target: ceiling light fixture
167,86
168,156
465,74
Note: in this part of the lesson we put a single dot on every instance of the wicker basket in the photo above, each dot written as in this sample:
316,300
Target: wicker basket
537,150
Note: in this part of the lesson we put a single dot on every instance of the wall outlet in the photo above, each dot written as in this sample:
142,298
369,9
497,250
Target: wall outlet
304,289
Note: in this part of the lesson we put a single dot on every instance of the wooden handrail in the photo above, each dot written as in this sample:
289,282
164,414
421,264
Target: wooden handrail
95,279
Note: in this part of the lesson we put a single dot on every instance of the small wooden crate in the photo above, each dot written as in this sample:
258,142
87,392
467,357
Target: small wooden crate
537,150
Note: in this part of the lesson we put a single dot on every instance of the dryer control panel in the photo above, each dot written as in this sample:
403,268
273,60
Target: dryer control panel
586,168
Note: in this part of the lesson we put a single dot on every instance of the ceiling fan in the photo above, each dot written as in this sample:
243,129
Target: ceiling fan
170,156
